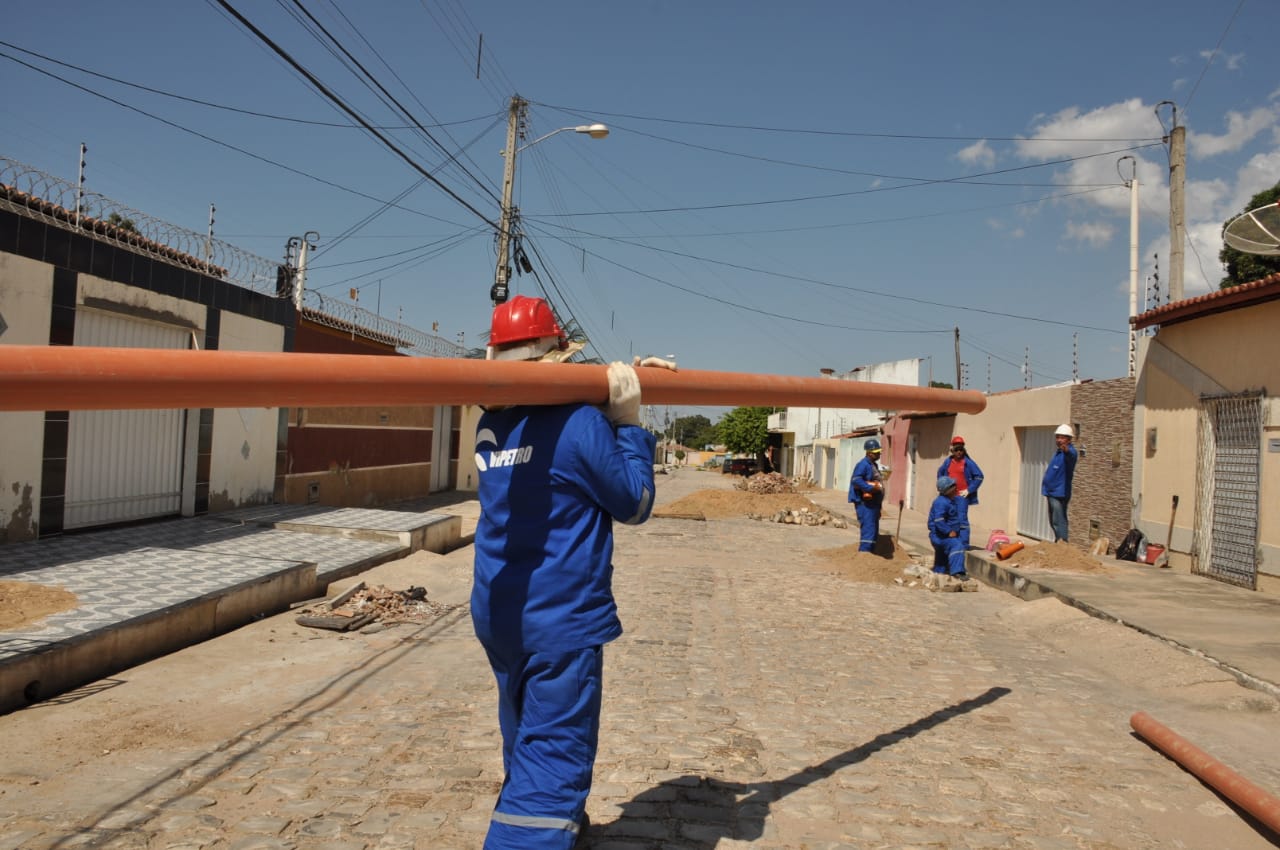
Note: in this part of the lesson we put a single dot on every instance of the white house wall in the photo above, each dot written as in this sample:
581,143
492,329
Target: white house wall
818,423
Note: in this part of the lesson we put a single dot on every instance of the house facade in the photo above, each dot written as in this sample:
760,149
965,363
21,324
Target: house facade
1207,430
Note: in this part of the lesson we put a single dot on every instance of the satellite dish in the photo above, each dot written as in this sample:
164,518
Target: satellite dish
1256,232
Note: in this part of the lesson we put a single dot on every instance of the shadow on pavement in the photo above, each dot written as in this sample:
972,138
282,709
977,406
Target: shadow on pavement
695,812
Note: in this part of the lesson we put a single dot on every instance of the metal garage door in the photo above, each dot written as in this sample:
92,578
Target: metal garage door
123,464
1229,471
1038,447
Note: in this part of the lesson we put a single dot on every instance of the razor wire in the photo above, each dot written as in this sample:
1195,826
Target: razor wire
345,316
52,200
64,204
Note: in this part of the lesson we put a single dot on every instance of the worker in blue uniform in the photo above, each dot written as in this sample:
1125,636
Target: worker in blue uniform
866,491
1056,485
552,481
962,469
946,531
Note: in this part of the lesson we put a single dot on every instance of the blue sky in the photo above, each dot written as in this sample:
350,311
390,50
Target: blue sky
786,187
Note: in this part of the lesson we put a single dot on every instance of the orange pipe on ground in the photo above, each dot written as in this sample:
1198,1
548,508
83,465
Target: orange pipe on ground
34,377
1254,800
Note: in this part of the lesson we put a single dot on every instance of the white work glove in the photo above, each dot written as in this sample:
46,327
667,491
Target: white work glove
964,493
624,395
654,361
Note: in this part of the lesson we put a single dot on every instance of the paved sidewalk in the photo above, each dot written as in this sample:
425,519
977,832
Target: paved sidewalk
1234,628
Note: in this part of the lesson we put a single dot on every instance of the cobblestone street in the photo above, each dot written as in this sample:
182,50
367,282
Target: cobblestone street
755,700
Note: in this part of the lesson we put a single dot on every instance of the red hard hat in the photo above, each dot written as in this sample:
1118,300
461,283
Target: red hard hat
523,319
957,441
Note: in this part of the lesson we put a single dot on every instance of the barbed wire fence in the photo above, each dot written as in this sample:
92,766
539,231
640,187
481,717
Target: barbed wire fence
28,191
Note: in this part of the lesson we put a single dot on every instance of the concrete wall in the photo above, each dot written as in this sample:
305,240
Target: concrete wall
25,307
359,456
1228,352
468,475
243,457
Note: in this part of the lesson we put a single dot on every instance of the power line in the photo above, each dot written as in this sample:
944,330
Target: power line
345,125
341,104
223,144
836,226
1187,103
921,182
839,133
828,284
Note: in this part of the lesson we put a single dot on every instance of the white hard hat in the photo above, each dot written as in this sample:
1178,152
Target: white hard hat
1065,431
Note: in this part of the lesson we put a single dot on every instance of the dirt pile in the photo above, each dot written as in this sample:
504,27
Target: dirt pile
883,566
23,603
727,504
1057,556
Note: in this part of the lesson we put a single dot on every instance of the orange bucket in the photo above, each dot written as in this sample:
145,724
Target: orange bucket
1154,551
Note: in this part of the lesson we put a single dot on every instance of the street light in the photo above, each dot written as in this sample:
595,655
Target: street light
515,120
595,131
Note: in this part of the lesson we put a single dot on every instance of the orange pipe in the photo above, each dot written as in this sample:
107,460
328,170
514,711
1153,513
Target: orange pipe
1008,550
1263,806
34,377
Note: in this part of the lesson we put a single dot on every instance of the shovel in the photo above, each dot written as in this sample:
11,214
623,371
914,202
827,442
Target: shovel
898,531
1168,538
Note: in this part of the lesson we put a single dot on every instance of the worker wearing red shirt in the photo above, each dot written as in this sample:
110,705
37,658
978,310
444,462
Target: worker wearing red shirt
962,469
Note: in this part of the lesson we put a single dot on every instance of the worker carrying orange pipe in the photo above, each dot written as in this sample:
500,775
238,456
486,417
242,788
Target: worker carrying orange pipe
84,378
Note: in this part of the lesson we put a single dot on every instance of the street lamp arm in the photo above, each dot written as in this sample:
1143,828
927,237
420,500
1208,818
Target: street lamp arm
595,131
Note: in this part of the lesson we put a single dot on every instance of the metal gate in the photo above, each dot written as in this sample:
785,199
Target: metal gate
1229,470
1038,448
123,464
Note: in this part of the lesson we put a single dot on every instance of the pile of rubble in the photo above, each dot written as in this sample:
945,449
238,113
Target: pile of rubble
804,516
361,606
916,575
766,482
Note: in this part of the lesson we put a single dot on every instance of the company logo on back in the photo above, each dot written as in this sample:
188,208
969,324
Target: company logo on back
486,460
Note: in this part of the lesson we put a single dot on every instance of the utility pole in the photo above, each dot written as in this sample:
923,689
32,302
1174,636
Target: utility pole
502,275
957,357
1075,358
1133,265
84,149
1177,206
208,245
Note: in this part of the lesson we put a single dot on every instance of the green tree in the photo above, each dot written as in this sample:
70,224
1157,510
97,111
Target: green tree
942,385
1246,268
117,220
693,431
745,430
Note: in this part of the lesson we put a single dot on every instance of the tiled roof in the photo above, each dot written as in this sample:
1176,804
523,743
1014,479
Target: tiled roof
1232,298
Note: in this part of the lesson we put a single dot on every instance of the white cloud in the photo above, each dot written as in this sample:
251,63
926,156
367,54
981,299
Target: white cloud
1094,233
979,153
1179,83
1230,61
1105,129
1001,227
1241,129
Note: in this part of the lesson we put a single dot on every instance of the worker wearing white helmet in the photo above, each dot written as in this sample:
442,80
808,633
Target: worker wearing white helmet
552,481
1056,487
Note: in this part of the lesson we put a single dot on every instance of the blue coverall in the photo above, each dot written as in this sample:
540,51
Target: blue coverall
972,480
944,518
1056,488
867,501
552,479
